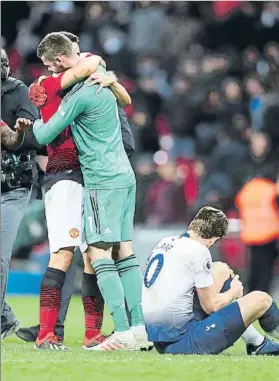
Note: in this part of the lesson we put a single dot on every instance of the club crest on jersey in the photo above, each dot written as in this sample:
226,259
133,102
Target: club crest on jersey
207,265
74,233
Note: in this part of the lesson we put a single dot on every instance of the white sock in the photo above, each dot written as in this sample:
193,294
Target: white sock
123,334
138,330
274,333
252,336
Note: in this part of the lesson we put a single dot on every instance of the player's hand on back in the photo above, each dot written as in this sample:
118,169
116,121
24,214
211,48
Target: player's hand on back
103,63
37,94
237,287
23,124
104,80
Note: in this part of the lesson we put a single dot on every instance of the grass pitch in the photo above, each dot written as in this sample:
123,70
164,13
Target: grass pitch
20,362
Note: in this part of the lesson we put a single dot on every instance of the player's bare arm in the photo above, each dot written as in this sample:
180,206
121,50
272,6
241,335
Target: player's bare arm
81,70
14,139
84,68
109,79
211,301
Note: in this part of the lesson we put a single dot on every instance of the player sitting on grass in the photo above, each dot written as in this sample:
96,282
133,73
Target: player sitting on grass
180,265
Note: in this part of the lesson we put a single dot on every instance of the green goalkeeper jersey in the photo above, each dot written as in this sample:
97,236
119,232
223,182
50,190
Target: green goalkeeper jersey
97,134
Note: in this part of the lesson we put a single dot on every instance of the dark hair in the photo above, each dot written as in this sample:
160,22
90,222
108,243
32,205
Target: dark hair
53,45
71,36
209,223
5,65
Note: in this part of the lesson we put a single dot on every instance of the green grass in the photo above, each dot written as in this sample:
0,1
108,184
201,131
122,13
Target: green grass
20,362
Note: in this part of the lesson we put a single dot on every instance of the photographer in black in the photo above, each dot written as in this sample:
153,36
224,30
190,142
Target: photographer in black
18,168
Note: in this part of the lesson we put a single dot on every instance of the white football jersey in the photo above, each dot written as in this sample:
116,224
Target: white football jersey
174,269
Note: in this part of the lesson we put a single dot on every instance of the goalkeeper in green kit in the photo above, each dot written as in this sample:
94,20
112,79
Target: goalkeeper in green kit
109,205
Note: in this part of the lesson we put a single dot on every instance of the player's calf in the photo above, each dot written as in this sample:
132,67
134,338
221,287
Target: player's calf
50,292
131,277
270,321
253,306
259,305
112,290
93,304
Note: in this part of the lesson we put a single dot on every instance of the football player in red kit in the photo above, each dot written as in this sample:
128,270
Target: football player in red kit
64,202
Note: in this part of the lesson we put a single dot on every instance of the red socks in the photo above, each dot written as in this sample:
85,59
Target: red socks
93,305
50,297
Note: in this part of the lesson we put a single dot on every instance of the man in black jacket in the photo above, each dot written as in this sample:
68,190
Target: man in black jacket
17,175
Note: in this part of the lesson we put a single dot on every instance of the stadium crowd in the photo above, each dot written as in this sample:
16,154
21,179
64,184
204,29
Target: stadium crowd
204,83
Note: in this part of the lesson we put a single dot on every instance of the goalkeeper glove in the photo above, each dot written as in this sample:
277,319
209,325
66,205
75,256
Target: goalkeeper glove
37,94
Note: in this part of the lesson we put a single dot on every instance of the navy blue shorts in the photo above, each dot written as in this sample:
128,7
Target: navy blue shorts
210,336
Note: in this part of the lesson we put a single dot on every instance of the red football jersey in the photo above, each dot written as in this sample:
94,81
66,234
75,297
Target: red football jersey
62,152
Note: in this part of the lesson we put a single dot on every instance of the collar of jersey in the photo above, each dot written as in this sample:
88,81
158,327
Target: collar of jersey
185,235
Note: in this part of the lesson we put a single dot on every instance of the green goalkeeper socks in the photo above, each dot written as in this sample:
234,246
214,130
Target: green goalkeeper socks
112,290
131,278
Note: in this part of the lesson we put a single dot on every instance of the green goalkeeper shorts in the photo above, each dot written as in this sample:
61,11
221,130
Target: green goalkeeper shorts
109,214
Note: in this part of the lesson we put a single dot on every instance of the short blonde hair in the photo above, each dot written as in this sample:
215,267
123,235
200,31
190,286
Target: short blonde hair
210,222
54,45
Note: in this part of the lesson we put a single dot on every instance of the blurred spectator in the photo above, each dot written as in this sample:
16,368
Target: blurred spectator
25,40
181,114
147,95
146,24
214,186
270,119
146,136
115,52
260,161
179,31
233,101
228,155
272,57
250,58
255,91
208,121
165,202
256,201
259,215
146,176
64,16
148,66
97,15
